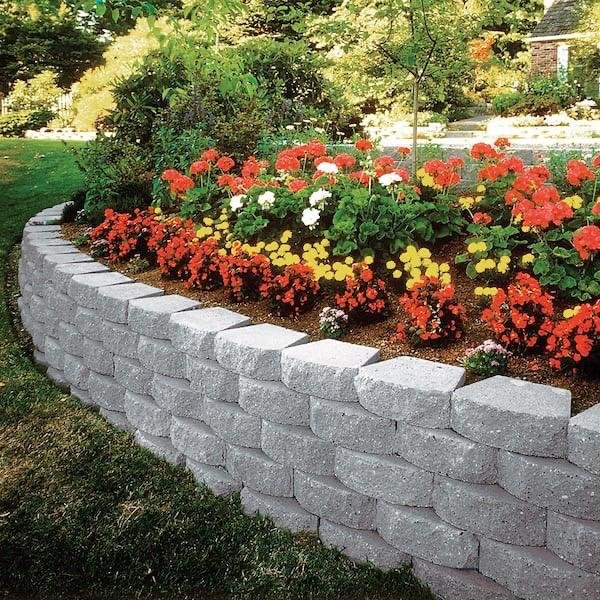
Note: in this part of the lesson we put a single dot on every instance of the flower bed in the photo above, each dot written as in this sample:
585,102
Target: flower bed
423,264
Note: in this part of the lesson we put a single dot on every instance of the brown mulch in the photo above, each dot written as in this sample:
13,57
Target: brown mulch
585,388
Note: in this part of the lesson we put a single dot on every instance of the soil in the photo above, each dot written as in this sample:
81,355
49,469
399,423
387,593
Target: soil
585,388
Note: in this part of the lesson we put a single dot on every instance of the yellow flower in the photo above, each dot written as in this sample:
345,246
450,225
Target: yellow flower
575,202
329,275
424,253
428,181
478,291
527,259
444,268
480,188
217,235
446,279
415,273
325,243
466,202
390,264
208,221
340,275
222,252
349,260
571,312
271,247
525,229
260,245
410,284
368,260
480,266
397,274
158,211
285,236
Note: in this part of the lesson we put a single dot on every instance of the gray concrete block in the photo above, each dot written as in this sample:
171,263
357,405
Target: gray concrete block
160,357
70,339
536,573
284,512
422,534
255,351
514,415
151,316
120,339
362,546
37,307
144,414
194,331
38,335
89,323
84,288
274,401
328,498
233,424
131,375
76,372
388,478
97,358
159,446
216,479
257,471
176,396
350,425
211,380
197,441
326,369
584,439
106,392
459,584
51,261
575,540
445,452
113,301
82,395
489,511
117,419
550,483
60,303
57,377
409,389
62,274
298,447
55,355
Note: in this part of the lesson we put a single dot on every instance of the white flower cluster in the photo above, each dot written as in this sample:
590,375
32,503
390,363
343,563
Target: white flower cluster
333,322
389,179
266,200
237,202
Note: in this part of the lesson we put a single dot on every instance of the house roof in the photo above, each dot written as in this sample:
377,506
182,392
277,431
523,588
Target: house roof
562,18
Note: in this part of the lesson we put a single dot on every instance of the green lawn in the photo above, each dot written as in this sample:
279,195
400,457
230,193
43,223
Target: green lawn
86,513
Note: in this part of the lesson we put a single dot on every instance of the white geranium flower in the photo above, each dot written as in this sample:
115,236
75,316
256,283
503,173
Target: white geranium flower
389,179
266,200
310,217
328,167
237,202
319,197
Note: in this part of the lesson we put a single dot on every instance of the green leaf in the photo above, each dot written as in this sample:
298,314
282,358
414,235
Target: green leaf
471,272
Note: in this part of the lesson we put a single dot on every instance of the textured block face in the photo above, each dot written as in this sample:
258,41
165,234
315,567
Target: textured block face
284,512
60,303
89,323
216,479
211,380
361,546
194,331
84,288
584,439
97,358
257,471
55,355
106,392
255,351
160,356
445,452
76,372
384,477
51,261
351,426
131,375
489,511
327,497
274,401
160,446
70,339
514,415
112,302
63,273
326,369
57,377
233,424
298,447
575,541
455,584
550,483
117,419
419,532
410,390
82,395
534,573
197,441
151,316
119,339
143,413
176,396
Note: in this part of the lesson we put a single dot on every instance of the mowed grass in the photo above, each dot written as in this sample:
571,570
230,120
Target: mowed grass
84,513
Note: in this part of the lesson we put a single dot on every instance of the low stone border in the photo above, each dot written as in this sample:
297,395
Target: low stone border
491,490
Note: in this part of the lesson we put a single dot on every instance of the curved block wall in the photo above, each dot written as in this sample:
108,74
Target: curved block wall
491,490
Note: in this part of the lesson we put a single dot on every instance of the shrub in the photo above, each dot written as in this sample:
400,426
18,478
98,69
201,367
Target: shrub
294,291
246,276
205,265
520,316
504,104
487,360
434,315
174,256
39,93
16,123
365,298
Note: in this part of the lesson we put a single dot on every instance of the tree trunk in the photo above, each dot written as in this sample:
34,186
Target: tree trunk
415,157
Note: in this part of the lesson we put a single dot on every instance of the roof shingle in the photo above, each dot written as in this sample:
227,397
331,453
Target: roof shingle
561,18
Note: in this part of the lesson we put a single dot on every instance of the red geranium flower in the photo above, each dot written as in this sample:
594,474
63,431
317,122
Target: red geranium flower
210,155
225,164
587,240
363,145
199,167
578,172
297,184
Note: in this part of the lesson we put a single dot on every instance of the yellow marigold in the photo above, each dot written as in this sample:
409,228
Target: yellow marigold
446,279
208,221
325,243
390,264
397,274
527,259
272,246
349,260
158,211
368,260
339,276
222,252
444,268
481,188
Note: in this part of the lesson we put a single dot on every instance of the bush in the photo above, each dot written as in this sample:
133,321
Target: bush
487,360
205,265
505,103
246,276
38,93
16,123
365,298
294,291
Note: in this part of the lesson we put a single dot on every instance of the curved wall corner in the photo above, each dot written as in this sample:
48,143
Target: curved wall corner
491,490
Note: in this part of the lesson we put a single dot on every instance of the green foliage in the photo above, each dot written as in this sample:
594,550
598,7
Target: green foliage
15,124
504,104
38,93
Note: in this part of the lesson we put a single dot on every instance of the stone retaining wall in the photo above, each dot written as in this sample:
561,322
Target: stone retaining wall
491,490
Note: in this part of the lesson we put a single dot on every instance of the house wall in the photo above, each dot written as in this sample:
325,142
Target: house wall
544,58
